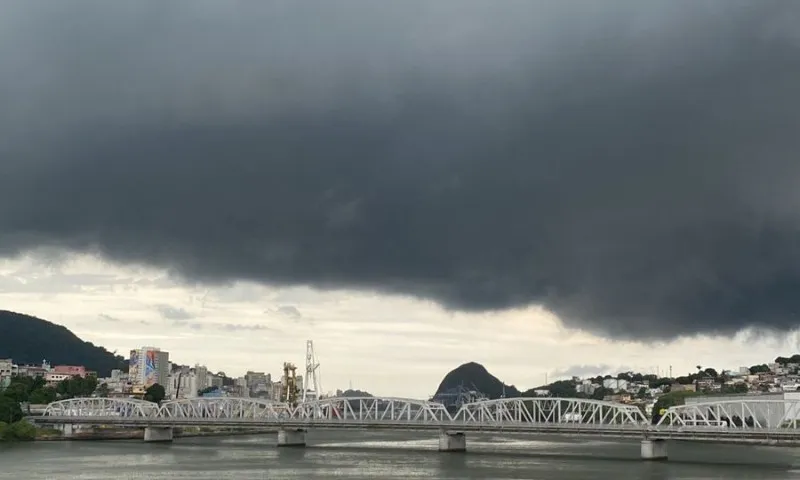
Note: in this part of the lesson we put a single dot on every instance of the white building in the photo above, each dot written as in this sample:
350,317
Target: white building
615,384
240,384
6,367
783,407
118,382
188,382
585,387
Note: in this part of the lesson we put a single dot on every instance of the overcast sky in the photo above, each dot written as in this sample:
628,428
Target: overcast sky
383,344
512,176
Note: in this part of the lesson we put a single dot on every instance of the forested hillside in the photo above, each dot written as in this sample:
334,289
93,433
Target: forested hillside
29,340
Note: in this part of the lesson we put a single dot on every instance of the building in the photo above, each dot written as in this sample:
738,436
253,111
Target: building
240,387
66,371
214,381
188,382
32,370
148,366
259,384
276,391
772,414
118,383
677,387
615,384
6,367
6,370
586,388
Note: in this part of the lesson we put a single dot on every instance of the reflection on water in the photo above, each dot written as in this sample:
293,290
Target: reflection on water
373,455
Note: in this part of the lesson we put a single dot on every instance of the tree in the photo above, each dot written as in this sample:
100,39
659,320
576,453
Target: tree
660,382
668,400
563,389
735,388
10,410
16,391
21,430
755,369
601,392
43,396
77,386
202,392
155,393
102,390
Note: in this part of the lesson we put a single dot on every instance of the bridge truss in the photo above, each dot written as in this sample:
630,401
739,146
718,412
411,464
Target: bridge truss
375,411
752,414
549,411
102,407
372,409
224,408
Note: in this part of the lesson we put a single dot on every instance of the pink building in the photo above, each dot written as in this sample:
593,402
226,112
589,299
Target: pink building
69,370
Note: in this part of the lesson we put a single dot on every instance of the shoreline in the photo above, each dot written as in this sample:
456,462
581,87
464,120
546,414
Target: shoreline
138,434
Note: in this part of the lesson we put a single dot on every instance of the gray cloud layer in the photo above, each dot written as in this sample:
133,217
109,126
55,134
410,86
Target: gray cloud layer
631,165
174,313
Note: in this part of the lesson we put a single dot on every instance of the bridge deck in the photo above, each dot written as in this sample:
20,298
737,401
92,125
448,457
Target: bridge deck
759,423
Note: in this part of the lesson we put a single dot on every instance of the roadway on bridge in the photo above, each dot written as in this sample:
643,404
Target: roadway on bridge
765,422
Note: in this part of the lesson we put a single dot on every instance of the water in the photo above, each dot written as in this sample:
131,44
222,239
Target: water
376,456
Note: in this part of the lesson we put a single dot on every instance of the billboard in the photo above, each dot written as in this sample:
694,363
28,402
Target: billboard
150,371
133,366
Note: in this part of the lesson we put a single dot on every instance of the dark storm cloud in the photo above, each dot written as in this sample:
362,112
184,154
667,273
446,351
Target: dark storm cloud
632,165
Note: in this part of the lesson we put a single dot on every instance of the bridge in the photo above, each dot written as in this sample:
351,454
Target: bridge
741,421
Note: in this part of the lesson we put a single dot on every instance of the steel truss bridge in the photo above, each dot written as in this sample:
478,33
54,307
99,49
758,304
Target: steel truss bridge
769,422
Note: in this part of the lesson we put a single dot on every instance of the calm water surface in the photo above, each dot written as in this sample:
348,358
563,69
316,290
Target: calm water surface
378,456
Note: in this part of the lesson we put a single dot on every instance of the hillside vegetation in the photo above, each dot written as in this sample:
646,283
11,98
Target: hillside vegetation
474,375
29,340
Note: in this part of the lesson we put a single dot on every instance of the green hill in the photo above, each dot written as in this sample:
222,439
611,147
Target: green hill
29,340
475,375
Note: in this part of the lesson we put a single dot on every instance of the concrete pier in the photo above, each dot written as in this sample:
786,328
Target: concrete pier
66,430
452,442
291,438
654,449
158,434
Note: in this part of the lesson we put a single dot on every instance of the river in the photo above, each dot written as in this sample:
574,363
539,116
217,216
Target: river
375,456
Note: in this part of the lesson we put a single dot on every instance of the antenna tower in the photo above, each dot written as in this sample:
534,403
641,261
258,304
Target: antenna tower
311,387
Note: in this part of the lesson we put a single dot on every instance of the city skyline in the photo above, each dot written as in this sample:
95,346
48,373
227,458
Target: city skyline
251,327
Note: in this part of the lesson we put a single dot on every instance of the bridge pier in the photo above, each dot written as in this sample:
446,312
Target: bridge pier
291,437
452,442
158,434
654,449
66,430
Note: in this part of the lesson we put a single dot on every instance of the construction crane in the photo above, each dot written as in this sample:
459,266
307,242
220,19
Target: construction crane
289,384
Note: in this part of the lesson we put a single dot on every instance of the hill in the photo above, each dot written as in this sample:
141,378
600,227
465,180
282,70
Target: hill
352,393
475,375
29,340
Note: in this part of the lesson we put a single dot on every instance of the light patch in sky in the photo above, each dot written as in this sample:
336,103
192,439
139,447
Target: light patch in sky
388,345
